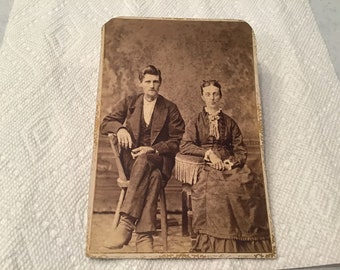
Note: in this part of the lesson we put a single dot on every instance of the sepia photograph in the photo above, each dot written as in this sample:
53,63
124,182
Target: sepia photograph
178,164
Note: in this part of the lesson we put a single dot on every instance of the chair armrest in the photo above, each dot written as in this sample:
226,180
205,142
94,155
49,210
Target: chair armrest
122,183
115,149
114,143
113,137
187,168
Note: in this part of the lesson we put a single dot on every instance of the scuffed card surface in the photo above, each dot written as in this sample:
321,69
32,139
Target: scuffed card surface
229,208
49,63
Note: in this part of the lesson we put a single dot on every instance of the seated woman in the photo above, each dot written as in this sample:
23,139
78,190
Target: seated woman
228,200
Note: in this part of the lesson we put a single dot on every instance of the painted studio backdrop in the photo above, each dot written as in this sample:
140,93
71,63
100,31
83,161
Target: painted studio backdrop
186,52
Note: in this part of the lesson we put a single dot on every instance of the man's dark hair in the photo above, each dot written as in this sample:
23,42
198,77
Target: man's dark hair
211,82
150,69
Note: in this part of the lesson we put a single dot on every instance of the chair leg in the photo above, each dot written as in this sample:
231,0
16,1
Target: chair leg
185,231
119,205
190,228
164,223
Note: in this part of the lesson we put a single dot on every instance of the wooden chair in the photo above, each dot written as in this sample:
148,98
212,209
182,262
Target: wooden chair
187,169
123,183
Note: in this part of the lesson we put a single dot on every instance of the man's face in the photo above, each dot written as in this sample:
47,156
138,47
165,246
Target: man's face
150,85
211,96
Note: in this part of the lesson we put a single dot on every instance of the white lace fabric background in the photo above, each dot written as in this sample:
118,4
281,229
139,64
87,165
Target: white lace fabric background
49,64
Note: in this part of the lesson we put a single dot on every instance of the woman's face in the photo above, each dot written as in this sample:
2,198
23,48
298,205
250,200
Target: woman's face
211,96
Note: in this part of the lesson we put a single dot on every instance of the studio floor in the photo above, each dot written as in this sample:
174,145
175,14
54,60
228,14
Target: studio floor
102,228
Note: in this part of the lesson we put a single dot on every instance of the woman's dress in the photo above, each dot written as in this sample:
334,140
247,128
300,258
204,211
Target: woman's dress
229,207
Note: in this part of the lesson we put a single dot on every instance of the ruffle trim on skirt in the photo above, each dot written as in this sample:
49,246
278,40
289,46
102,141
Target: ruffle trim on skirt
207,243
261,235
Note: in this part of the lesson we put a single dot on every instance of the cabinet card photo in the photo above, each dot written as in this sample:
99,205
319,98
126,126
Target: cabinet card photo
178,162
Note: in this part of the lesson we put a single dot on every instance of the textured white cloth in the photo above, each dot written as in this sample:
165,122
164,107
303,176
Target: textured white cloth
49,62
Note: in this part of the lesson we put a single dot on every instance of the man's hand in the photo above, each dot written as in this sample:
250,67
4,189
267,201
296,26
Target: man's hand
124,138
216,162
141,150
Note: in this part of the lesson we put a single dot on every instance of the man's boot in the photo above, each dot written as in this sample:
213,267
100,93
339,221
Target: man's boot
144,242
122,234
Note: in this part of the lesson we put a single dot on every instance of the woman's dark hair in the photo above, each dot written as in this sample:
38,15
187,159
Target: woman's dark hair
150,69
211,82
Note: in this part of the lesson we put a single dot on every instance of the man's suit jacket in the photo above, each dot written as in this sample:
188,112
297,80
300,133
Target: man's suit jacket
167,126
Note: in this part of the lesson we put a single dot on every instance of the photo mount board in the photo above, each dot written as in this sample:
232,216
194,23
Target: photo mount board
186,51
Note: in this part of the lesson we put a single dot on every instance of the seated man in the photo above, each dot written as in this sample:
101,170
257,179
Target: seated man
149,129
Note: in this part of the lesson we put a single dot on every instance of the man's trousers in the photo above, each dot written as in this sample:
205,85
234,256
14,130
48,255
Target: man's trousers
141,197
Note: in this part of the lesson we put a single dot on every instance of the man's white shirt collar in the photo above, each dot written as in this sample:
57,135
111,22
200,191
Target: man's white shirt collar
148,108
